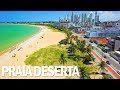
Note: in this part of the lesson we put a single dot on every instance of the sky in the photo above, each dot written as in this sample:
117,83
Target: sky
31,16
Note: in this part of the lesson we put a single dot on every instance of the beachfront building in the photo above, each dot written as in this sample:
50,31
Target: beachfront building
114,43
111,44
117,43
116,55
111,32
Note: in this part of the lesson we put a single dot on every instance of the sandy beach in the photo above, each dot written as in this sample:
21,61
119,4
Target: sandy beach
16,56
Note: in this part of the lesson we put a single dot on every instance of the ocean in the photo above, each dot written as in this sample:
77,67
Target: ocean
12,34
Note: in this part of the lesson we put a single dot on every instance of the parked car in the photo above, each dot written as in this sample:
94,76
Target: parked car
115,55
91,41
105,56
108,62
118,71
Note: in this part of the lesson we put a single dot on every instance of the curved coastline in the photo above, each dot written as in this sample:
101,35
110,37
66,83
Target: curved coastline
44,38
11,48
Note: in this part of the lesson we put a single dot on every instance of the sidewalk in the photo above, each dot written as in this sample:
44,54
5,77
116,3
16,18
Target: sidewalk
112,71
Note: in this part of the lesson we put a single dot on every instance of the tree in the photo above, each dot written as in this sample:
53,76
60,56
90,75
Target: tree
88,58
64,41
62,59
74,37
84,73
77,58
105,77
71,51
89,48
102,66
81,46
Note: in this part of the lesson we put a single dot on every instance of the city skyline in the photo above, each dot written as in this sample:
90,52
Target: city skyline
36,16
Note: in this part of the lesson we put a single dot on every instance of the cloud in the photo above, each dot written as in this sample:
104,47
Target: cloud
108,16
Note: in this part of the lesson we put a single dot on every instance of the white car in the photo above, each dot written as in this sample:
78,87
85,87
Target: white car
118,71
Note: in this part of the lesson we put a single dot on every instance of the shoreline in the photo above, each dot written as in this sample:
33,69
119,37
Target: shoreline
42,39
19,44
11,48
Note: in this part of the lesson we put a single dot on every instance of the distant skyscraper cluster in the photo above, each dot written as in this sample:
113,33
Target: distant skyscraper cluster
82,20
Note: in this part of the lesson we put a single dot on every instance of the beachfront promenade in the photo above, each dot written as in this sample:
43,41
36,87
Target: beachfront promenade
16,56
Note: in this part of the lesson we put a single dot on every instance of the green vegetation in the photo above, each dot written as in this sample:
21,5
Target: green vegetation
70,51
102,66
101,46
49,56
53,29
56,28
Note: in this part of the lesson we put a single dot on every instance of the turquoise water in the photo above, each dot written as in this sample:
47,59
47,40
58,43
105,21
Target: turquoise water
11,34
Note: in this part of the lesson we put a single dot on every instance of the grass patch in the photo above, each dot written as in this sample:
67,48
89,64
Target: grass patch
48,56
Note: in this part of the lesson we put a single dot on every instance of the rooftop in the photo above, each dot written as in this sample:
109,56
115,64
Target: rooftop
100,40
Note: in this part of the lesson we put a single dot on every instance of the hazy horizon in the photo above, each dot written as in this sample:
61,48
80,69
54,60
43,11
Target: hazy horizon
38,16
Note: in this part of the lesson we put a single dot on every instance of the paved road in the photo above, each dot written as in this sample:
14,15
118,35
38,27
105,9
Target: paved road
111,70
114,65
112,61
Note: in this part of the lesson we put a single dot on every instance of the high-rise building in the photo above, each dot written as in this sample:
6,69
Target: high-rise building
79,18
90,17
68,17
72,17
65,18
95,16
117,43
85,17
82,19
76,19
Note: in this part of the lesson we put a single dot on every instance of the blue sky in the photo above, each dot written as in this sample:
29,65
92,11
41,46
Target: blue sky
53,15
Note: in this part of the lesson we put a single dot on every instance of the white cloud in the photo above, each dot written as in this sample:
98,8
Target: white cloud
100,12
108,16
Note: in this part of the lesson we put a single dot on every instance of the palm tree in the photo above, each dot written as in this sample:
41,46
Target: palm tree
83,42
87,58
77,58
71,50
74,37
102,66
69,33
81,46
62,59
64,41
89,48
84,73
105,77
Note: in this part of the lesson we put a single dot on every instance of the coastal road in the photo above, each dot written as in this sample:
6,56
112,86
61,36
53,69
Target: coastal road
112,61
111,70
114,65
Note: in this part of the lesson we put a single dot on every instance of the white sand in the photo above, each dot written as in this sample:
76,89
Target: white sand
28,47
